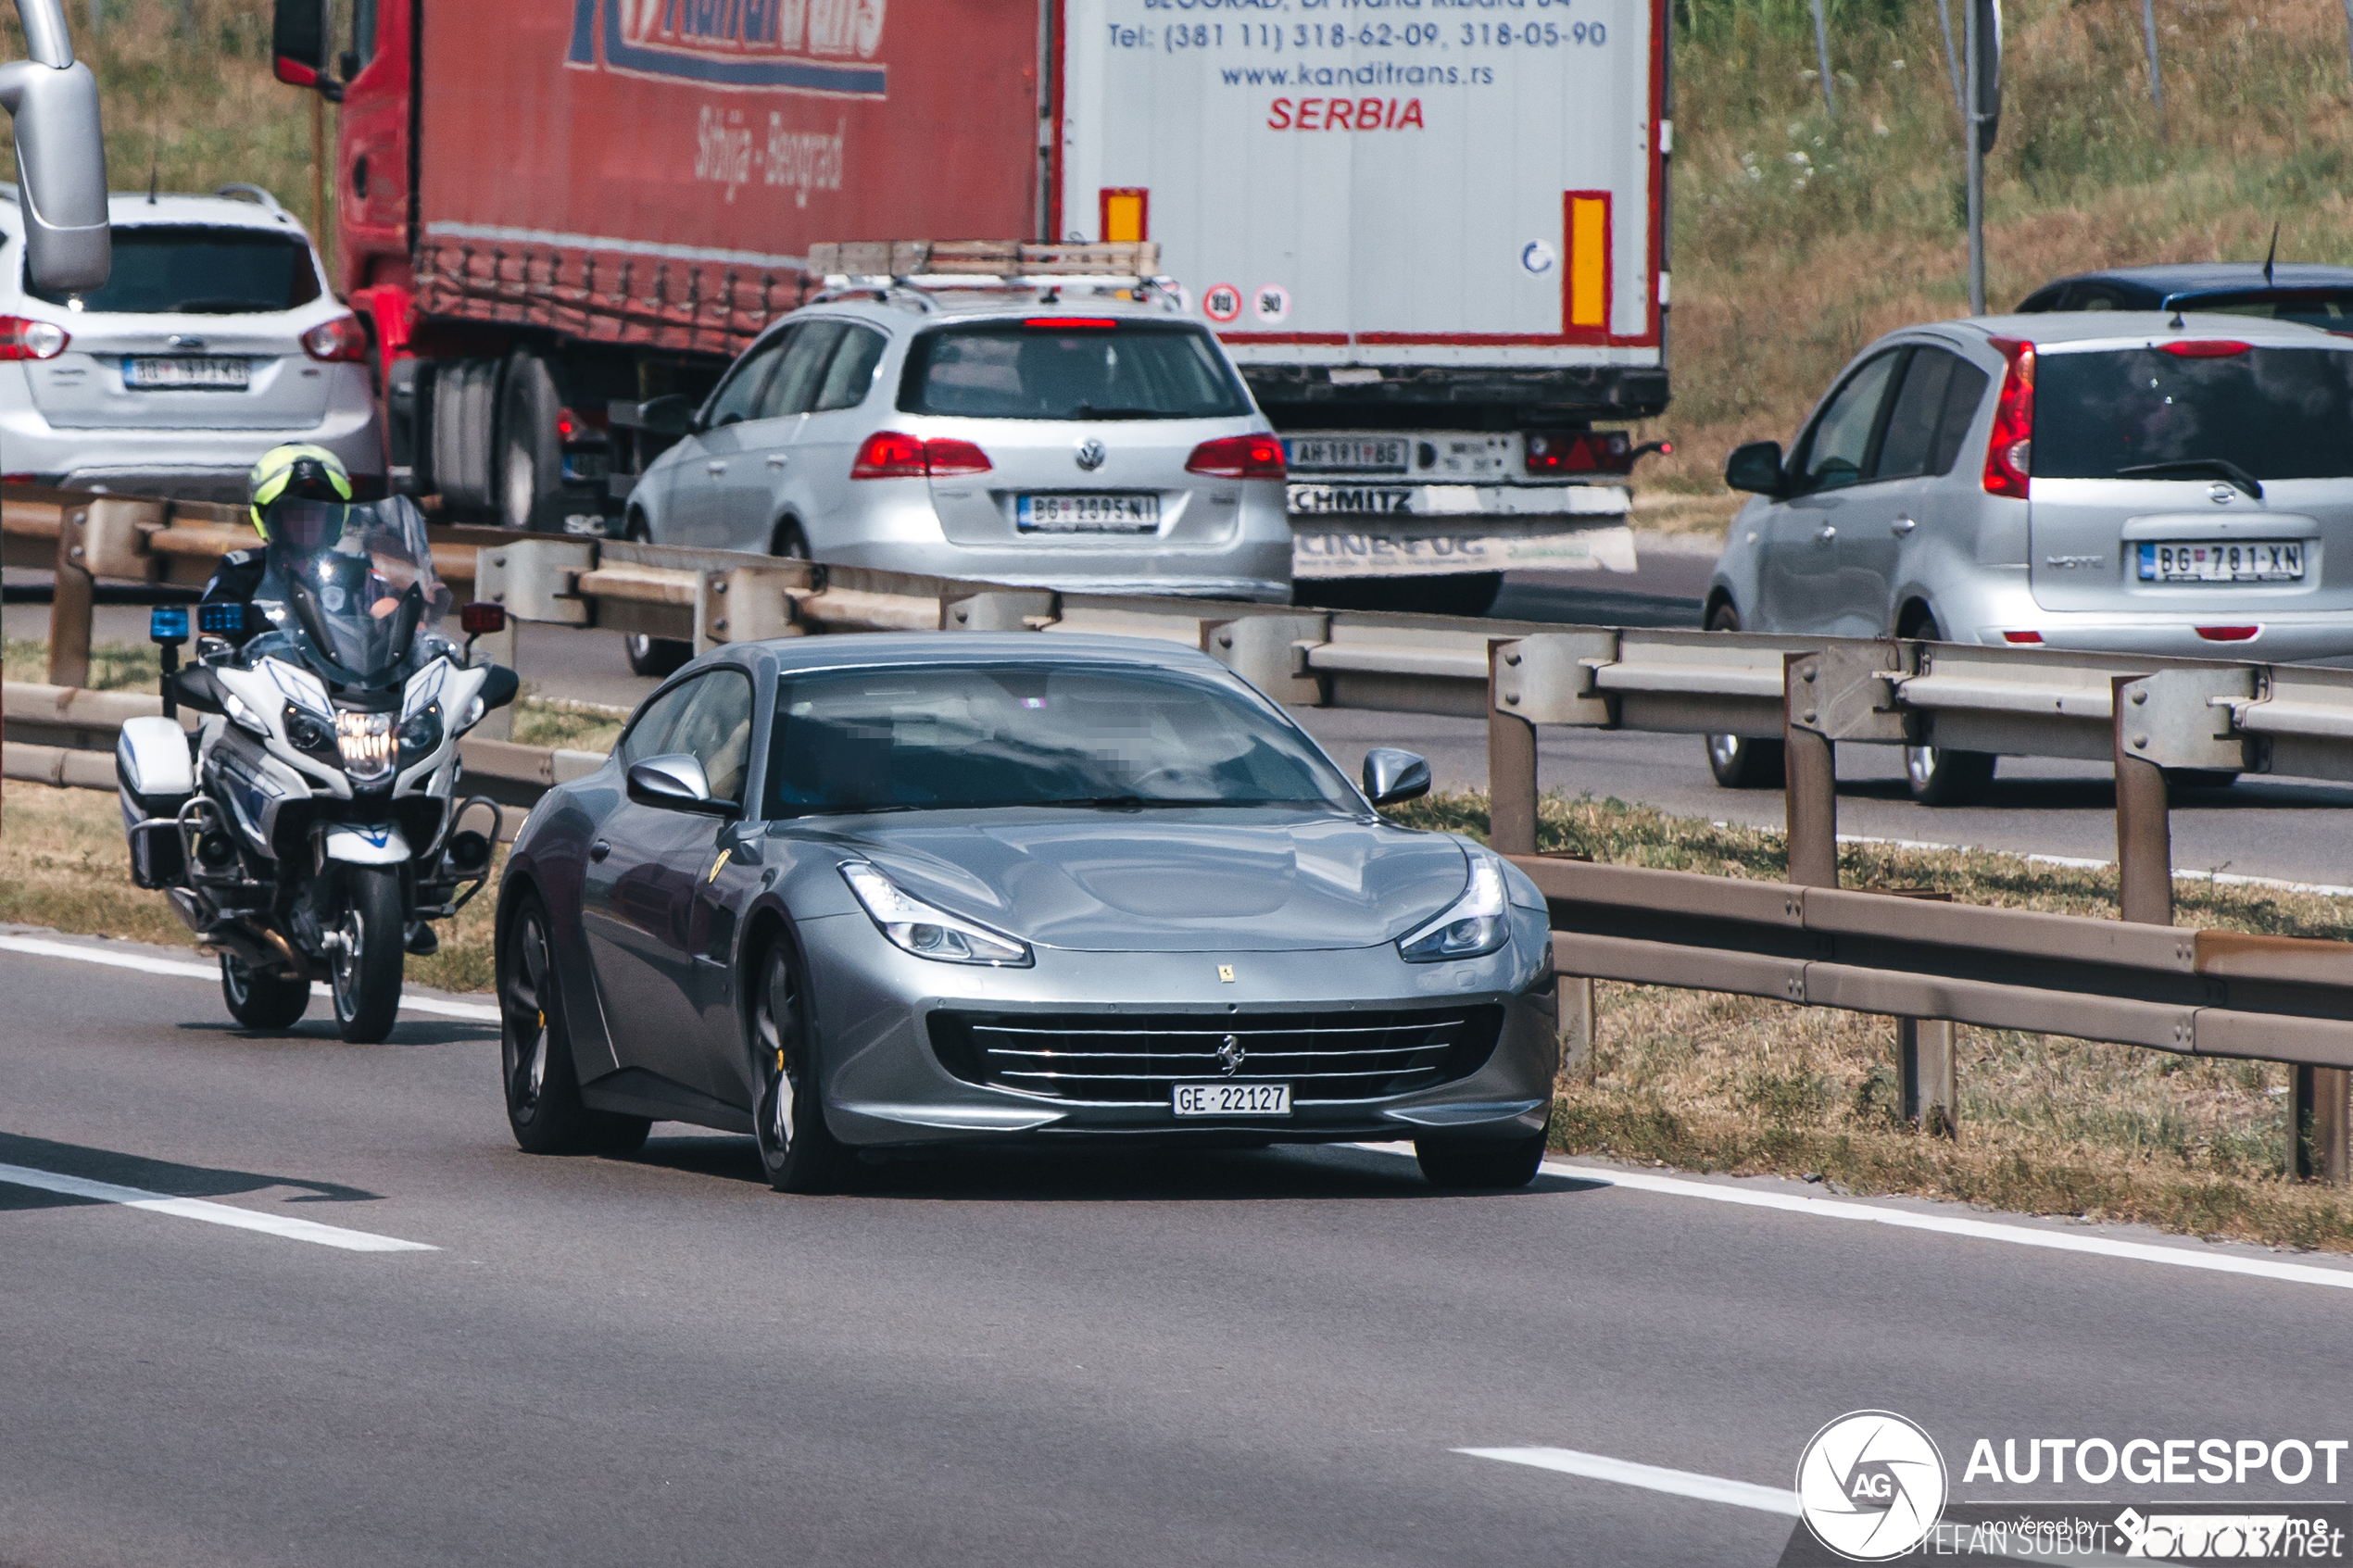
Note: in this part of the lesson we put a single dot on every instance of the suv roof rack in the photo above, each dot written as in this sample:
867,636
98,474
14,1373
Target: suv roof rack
914,268
240,191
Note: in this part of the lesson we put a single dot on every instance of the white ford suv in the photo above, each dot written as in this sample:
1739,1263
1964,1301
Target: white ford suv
214,340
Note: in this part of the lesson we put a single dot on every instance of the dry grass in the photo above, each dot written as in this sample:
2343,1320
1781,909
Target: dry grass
114,666
2048,1125
63,865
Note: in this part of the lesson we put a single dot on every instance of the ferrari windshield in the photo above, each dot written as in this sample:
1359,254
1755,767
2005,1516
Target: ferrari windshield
352,585
943,736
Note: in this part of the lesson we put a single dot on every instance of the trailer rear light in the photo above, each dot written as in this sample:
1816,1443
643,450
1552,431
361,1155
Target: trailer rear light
23,339
2229,633
1065,323
888,453
2206,348
343,339
1578,451
944,457
2009,451
2021,636
1239,457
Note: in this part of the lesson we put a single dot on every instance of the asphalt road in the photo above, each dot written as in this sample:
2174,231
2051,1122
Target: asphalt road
2287,829
1234,1358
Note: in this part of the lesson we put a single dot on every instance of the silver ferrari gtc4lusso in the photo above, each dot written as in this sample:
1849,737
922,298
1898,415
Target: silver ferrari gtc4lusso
851,893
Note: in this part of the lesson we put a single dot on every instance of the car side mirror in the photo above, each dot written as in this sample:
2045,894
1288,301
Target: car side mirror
1392,775
673,782
669,417
1756,467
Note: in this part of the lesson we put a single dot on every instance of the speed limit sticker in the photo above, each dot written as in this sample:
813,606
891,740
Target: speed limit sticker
1270,302
1221,302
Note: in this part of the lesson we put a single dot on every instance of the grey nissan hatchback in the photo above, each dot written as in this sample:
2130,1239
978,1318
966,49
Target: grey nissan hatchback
2131,481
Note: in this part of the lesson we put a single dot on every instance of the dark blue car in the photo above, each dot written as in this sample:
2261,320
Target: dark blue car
2317,296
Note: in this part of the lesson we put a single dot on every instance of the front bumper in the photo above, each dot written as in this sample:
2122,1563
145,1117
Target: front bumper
885,1085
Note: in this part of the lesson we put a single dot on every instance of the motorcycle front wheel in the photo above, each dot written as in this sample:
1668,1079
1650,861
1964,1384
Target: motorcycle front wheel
367,961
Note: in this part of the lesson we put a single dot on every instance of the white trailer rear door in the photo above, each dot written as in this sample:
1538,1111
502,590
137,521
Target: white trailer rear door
1392,182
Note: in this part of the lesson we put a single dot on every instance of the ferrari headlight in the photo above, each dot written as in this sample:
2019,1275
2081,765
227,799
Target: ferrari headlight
927,931
1477,924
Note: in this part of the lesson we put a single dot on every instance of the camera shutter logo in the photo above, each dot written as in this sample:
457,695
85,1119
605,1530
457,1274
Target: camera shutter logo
1872,1485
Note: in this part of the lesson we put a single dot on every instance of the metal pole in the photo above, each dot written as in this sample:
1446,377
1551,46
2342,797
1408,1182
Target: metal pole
69,609
1809,784
1573,997
2320,1124
2143,833
318,178
1511,771
1821,57
2157,77
1952,58
1924,1062
1973,134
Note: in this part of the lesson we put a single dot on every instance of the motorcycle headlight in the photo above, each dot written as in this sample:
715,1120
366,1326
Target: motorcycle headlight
305,732
420,732
1477,924
927,931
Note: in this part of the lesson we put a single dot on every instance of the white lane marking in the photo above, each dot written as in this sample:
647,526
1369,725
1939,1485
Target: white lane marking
210,1213
1651,1477
172,968
2181,1257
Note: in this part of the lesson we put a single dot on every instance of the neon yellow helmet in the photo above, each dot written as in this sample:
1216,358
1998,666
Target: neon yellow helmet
301,469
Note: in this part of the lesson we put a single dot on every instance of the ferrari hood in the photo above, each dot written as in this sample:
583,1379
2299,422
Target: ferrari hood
1176,880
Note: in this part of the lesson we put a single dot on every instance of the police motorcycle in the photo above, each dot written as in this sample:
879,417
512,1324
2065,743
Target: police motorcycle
305,830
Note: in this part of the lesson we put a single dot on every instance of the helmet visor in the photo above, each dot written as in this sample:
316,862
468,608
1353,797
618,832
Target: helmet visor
304,527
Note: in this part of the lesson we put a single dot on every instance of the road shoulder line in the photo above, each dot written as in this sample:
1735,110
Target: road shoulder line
209,1212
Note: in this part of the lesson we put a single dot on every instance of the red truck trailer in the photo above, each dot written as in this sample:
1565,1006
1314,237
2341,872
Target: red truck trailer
1433,232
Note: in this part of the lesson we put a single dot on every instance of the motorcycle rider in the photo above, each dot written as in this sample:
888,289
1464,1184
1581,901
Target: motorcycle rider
297,471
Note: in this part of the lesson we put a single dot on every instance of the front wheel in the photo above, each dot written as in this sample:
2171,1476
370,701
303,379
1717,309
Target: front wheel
368,952
1458,1163
261,999
798,1151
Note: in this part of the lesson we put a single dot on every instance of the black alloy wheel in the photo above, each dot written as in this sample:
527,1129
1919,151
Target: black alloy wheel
369,951
535,1050
798,1151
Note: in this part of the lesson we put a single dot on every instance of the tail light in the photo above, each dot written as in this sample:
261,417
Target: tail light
23,339
1578,451
2010,452
482,617
1239,457
2207,348
343,339
887,454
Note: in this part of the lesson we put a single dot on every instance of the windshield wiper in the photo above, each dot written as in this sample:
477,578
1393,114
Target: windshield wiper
2222,468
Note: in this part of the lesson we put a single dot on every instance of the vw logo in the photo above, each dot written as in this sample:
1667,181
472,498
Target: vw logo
1091,455
1229,1055
2221,495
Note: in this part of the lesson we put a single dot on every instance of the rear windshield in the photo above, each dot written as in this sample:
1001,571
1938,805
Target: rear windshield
2278,413
199,270
1014,371
2330,309
939,737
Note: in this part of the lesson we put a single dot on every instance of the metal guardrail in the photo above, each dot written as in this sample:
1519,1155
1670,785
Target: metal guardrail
2145,715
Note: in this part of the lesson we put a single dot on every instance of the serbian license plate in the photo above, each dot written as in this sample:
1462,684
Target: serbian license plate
1375,454
1349,500
1087,514
187,373
1233,1100
2199,560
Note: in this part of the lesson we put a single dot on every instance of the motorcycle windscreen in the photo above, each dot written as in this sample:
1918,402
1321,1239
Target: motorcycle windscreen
358,583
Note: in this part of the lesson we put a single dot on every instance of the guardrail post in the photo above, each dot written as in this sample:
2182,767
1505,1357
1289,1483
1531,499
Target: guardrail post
1573,999
1511,766
70,607
2319,1112
1810,784
2144,831
1924,1064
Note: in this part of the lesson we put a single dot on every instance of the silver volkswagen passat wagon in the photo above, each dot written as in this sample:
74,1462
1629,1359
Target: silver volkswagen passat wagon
2119,480
1090,445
